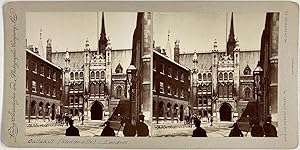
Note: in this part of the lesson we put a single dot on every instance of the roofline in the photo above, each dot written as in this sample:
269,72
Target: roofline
47,61
90,51
192,53
171,60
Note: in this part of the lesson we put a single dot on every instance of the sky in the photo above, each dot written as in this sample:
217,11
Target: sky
197,31
70,30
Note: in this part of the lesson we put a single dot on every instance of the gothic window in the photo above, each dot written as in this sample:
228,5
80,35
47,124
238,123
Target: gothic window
72,76
204,77
204,88
204,100
54,92
76,76
162,68
225,91
97,75
225,76
119,91
181,93
33,86
49,73
230,76
102,74
169,71
209,77
119,69
161,87
92,75
76,99
175,91
92,89
220,91
209,88
182,76
247,70
81,87
102,88
48,90
220,76
71,99
81,75
97,89
247,93
176,74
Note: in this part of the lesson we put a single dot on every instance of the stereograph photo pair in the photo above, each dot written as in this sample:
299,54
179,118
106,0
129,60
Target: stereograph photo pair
150,74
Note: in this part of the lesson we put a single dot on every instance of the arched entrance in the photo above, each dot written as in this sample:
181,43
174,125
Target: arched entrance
225,112
96,111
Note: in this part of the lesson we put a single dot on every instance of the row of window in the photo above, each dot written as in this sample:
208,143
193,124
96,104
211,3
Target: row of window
204,101
94,75
97,89
171,90
169,72
225,90
204,77
76,99
49,73
43,88
205,88
225,76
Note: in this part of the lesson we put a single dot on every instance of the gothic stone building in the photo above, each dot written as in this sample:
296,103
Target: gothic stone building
94,80
222,81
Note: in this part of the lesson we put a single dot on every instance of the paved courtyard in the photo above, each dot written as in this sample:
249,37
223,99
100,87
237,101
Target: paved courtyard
92,129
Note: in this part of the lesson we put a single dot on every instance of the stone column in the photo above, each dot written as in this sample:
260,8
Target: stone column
146,67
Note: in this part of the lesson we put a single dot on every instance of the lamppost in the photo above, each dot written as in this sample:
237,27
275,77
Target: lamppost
131,75
257,74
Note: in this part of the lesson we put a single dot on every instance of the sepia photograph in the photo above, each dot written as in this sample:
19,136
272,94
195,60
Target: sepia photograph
215,74
84,74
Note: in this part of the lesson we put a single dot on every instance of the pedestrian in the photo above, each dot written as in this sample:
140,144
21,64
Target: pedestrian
199,132
269,129
72,131
257,130
82,119
141,127
107,130
211,120
236,132
67,119
129,128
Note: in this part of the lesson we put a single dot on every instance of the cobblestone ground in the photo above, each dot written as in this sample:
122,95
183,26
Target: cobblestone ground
89,129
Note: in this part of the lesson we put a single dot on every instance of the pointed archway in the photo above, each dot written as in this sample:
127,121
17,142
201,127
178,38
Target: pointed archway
225,112
96,111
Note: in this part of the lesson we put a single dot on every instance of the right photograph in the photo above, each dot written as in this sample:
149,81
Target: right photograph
215,74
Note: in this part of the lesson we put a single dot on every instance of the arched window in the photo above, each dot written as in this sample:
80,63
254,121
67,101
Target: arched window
72,76
81,75
102,88
76,76
92,89
225,90
97,75
119,69
230,90
199,77
92,75
102,74
41,105
209,88
97,89
220,76
209,77
247,70
204,77
220,91
225,76
230,76
247,93
119,91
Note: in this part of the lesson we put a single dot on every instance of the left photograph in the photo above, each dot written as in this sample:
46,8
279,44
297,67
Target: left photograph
88,74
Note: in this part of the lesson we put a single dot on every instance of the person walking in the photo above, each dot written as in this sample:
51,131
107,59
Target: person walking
199,132
236,132
141,127
269,129
129,129
107,130
72,131
257,130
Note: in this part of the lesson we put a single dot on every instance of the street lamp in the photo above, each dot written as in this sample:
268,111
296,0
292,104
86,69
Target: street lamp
257,74
131,73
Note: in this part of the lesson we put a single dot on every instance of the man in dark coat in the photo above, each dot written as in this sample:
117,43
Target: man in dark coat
257,130
129,128
199,132
269,129
107,130
72,131
236,132
141,127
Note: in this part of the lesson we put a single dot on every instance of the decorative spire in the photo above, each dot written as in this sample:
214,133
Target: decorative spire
67,56
231,40
237,45
195,58
40,46
103,40
41,30
168,47
168,35
87,45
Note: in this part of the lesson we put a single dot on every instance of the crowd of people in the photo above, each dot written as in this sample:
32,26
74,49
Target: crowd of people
129,130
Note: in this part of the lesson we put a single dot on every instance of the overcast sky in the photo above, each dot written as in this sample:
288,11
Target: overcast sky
71,29
197,31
